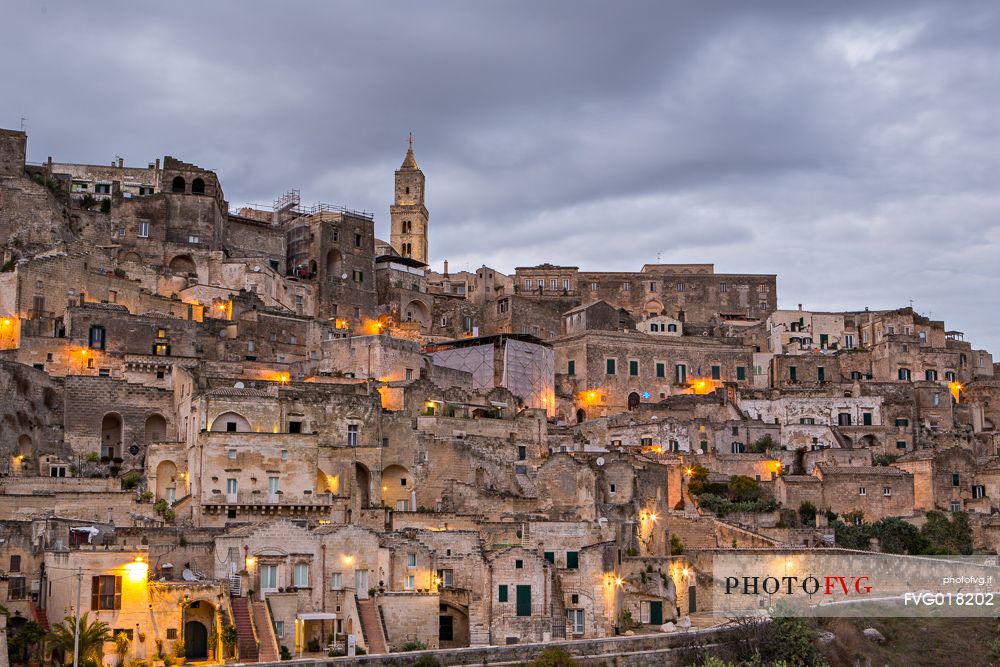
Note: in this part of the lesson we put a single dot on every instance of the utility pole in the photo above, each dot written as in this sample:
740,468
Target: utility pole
76,634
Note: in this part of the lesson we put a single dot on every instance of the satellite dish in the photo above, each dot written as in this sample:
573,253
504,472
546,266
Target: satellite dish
256,269
343,276
600,460
188,575
239,385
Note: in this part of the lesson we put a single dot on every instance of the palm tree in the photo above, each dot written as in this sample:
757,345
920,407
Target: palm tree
92,638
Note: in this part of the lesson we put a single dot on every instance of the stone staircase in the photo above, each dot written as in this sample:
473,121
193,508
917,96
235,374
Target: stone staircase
40,616
557,609
246,642
267,642
371,626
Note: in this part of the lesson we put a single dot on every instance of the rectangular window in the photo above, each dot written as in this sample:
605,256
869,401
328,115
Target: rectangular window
570,367
447,578
352,435
633,367
723,287
550,556
716,372
680,373
902,421
231,486
886,491
821,374
409,582
552,284
527,283
978,491
301,575
862,491
522,452
661,369
741,373
849,341
15,563
901,444
611,366
523,600
359,276
279,629
336,581
357,240
143,230
680,287
904,374
652,287
295,427
105,593
866,418
593,287
627,286
575,617
793,374
232,454
572,560
402,505
411,560
519,564
955,479
502,593
194,238
844,419
565,284
96,338
269,577
738,448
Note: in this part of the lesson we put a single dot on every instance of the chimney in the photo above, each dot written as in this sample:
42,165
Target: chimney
800,306
446,267
121,162
157,164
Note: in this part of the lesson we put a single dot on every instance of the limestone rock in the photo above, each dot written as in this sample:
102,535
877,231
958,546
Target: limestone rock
873,634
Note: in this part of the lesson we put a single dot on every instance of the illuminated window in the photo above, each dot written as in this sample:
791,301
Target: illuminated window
105,593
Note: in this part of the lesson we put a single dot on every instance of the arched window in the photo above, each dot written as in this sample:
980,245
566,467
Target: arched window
672,328
198,186
178,184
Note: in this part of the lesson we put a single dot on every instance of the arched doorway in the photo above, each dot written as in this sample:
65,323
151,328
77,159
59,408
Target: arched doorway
416,311
233,422
111,435
166,481
195,640
363,480
24,445
178,184
652,308
633,401
156,428
581,416
182,264
397,485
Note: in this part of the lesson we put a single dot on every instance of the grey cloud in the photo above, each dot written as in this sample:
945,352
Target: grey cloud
849,147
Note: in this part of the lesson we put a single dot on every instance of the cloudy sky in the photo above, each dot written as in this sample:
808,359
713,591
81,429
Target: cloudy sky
851,148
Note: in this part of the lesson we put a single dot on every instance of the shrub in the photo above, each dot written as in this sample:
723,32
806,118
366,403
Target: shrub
285,653
313,645
160,506
131,481
146,496
413,645
179,648
105,206
427,661
92,457
676,545
625,621
807,512
553,657
88,201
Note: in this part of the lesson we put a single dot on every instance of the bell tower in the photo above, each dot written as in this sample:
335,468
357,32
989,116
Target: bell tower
408,215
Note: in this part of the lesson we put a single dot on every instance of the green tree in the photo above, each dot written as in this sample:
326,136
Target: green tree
92,638
946,536
742,488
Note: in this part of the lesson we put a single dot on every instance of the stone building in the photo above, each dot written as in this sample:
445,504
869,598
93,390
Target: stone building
408,214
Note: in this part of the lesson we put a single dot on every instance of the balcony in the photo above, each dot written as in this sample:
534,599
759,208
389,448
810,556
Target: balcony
262,499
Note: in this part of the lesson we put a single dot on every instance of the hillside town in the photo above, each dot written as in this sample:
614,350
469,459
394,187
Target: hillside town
261,432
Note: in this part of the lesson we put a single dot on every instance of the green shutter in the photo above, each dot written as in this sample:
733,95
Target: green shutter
661,370
866,419
716,373
550,556
523,600
502,593
572,560
633,368
611,366
571,367
741,373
